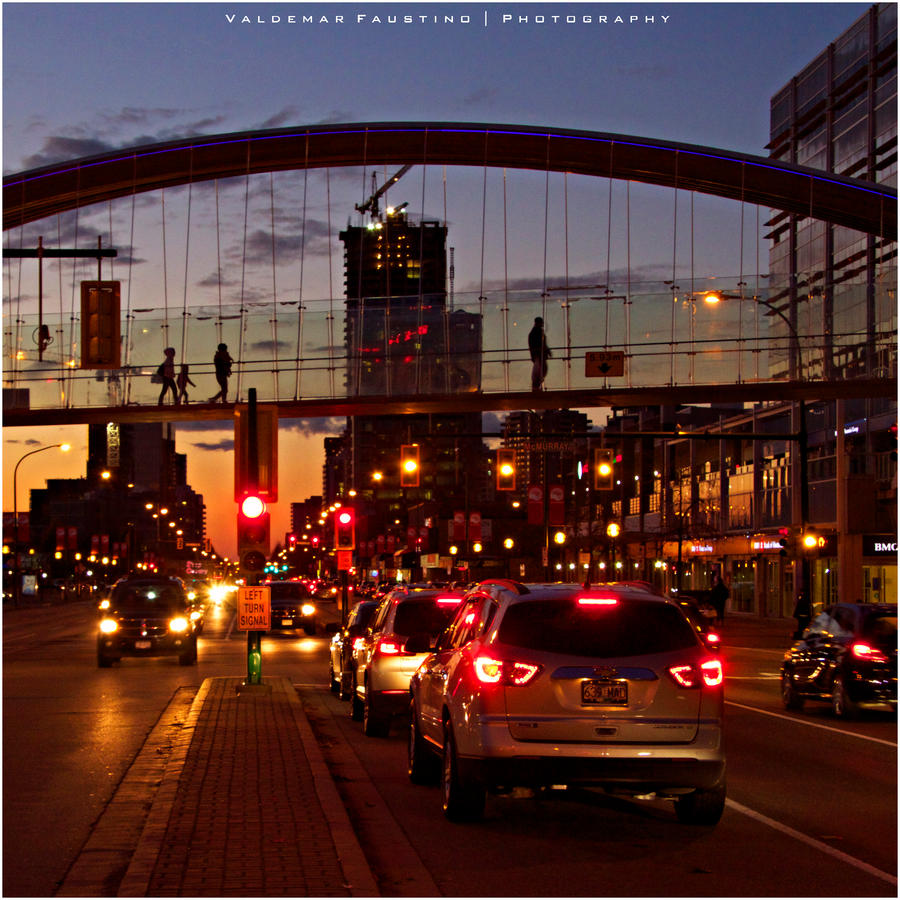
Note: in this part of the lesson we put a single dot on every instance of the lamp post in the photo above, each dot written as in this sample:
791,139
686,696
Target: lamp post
713,297
16,585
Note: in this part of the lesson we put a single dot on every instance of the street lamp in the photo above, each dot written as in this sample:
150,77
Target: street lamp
714,297
64,448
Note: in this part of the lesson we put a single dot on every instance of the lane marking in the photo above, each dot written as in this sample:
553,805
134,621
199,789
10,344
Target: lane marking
812,842
775,715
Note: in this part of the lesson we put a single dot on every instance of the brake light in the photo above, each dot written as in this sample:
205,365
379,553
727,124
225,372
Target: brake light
709,672
867,652
389,646
597,600
358,643
504,671
448,601
712,637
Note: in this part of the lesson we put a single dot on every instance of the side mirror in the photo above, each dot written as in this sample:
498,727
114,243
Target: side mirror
418,643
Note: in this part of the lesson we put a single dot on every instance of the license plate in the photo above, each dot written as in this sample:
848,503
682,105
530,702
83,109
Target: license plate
142,645
287,622
613,693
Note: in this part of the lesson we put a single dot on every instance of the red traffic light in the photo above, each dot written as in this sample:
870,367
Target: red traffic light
344,530
252,506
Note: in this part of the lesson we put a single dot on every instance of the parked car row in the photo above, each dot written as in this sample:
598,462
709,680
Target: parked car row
541,686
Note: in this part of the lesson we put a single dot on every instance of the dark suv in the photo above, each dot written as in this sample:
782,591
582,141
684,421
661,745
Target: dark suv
292,606
147,616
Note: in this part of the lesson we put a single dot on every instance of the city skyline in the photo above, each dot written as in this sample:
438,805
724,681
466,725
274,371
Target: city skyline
696,75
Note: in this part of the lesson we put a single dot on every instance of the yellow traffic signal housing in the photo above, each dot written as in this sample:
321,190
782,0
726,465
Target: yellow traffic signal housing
101,346
604,470
409,465
506,469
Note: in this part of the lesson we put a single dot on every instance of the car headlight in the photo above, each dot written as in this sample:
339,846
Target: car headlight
108,626
179,624
104,604
195,614
308,609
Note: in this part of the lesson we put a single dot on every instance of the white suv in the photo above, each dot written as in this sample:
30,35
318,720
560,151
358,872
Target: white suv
384,663
554,684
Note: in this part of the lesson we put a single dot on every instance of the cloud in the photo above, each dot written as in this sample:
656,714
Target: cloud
57,148
225,444
330,425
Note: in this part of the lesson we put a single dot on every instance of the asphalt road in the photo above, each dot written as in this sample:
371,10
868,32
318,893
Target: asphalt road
812,807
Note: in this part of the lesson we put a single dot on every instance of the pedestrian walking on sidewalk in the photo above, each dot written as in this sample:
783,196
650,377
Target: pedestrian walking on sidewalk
719,596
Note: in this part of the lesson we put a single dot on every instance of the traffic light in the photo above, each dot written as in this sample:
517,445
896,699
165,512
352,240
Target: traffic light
506,469
100,325
784,541
604,473
344,529
409,465
811,541
252,533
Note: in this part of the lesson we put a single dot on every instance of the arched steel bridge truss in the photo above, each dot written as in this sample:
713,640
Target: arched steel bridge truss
870,208
37,193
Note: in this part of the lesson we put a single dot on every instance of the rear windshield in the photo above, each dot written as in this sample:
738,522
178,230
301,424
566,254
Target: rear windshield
420,616
881,628
630,628
287,592
148,597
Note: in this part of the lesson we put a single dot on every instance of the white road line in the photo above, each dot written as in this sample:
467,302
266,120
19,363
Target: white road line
812,842
798,721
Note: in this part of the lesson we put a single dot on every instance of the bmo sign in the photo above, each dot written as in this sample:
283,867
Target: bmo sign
880,545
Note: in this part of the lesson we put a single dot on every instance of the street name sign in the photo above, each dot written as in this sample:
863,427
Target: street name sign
604,363
254,609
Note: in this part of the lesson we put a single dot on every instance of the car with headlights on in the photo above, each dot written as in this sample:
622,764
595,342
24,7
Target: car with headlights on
558,685
147,616
340,666
847,657
383,663
292,606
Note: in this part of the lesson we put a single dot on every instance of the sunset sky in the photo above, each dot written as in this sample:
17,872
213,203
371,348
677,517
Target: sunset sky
84,78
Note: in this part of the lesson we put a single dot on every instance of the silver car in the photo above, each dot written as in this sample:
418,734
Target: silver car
384,663
556,685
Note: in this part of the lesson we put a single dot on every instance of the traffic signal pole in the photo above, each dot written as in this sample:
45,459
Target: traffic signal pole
254,638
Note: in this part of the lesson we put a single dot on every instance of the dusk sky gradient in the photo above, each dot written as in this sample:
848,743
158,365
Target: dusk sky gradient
84,78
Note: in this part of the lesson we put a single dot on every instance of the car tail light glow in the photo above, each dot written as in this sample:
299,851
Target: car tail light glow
358,643
712,637
709,672
597,600
448,601
867,652
389,646
499,671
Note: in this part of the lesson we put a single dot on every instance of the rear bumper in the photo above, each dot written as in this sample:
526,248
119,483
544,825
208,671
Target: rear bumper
165,645
628,775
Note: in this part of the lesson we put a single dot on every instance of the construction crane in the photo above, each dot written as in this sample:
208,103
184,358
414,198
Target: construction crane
371,205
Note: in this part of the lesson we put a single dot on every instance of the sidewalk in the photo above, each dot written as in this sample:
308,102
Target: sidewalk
246,808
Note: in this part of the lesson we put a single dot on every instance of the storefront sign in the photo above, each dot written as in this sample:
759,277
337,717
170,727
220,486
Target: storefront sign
879,545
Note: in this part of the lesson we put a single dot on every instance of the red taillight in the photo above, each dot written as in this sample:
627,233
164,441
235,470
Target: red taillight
448,601
389,646
358,643
867,652
597,600
504,671
709,672
712,638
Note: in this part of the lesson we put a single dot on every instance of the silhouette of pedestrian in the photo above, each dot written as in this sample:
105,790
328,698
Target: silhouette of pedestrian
183,381
718,595
222,362
540,353
167,372
802,613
